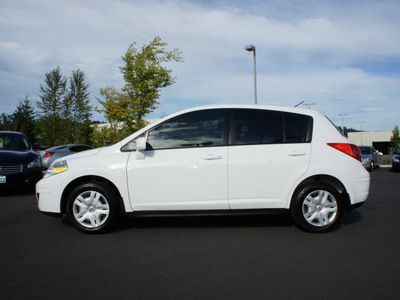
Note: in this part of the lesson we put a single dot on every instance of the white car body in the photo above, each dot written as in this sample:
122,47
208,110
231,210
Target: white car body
227,177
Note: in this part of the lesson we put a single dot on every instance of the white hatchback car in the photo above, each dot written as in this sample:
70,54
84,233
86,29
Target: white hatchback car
217,160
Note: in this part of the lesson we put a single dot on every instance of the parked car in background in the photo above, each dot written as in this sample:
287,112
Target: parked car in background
370,158
41,148
396,161
51,154
19,164
216,160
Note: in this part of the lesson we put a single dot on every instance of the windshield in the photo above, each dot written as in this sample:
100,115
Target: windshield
15,142
365,150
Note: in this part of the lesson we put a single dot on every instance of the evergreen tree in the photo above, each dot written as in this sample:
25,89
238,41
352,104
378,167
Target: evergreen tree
23,119
50,125
6,122
77,109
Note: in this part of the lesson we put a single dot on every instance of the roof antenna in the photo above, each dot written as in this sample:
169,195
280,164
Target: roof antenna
299,103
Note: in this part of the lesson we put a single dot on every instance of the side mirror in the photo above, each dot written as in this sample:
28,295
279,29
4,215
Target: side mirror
141,144
140,148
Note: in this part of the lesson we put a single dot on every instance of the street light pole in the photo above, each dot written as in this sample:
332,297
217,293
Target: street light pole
342,115
252,48
361,122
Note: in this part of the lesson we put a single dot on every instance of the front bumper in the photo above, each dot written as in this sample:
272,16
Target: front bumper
49,194
25,178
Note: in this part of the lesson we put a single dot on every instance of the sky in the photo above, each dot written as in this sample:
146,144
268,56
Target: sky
341,56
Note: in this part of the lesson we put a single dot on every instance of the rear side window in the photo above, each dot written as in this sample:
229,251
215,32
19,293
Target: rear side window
271,127
298,128
258,127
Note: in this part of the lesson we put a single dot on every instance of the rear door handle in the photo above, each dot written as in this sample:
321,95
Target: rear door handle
212,157
296,153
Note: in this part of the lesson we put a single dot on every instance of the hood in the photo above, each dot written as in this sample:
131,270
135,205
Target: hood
81,154
17,157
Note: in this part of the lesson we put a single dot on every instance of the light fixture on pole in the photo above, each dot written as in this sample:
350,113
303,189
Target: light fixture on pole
252,48
342,115
309,104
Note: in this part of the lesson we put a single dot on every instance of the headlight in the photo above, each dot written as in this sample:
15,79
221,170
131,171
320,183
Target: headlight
396,160
36,163
56,168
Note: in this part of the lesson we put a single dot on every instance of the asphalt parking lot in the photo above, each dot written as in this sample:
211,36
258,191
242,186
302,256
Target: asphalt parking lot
204,257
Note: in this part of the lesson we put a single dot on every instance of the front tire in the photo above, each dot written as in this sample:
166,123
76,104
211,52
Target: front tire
92,208
317,207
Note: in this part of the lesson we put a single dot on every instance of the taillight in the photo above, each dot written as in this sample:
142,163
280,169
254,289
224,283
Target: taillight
48,154
349,149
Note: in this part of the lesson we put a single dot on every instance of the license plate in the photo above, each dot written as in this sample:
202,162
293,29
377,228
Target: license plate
3,179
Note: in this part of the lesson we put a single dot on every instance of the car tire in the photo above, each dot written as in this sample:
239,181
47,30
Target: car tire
317,207
92,208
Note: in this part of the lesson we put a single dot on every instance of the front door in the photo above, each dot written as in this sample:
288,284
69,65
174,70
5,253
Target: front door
185,166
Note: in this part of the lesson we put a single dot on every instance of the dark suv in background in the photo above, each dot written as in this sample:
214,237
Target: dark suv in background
19,164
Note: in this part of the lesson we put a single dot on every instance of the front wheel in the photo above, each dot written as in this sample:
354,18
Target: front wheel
92,207
317,207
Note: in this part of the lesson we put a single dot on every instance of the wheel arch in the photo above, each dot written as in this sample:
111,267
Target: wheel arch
327,179
90,179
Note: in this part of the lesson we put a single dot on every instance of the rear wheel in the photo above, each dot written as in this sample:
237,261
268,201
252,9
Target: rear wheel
92,208
317,207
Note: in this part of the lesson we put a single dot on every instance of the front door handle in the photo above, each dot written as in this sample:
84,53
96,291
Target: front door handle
212,157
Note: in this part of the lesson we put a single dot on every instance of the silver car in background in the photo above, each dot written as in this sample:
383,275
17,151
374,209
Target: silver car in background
370,157
51,154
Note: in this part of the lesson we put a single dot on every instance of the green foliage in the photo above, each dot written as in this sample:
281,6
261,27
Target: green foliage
77,109
23,119
145,76
64,110
104,135
347,130
6,122
50,125
395,139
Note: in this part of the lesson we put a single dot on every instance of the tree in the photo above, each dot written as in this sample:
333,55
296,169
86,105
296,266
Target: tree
114,115
395,139
51,106
145,77
6,122
23,119
77,109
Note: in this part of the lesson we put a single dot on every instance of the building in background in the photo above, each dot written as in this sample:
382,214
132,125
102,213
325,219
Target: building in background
380,140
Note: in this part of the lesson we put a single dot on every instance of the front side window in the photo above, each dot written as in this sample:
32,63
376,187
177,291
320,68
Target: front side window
196,129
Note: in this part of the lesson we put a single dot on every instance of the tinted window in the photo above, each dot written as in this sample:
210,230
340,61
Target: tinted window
365,150
196,129
297,128
258,127
271,127
15,142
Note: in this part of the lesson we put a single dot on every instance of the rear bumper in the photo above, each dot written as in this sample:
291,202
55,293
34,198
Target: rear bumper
360,190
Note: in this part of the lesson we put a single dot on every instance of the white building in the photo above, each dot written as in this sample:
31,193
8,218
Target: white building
380,140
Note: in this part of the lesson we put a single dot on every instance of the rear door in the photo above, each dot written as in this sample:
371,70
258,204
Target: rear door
269,152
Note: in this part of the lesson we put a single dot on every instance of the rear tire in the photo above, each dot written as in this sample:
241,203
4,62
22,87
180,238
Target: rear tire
92,208
317,207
